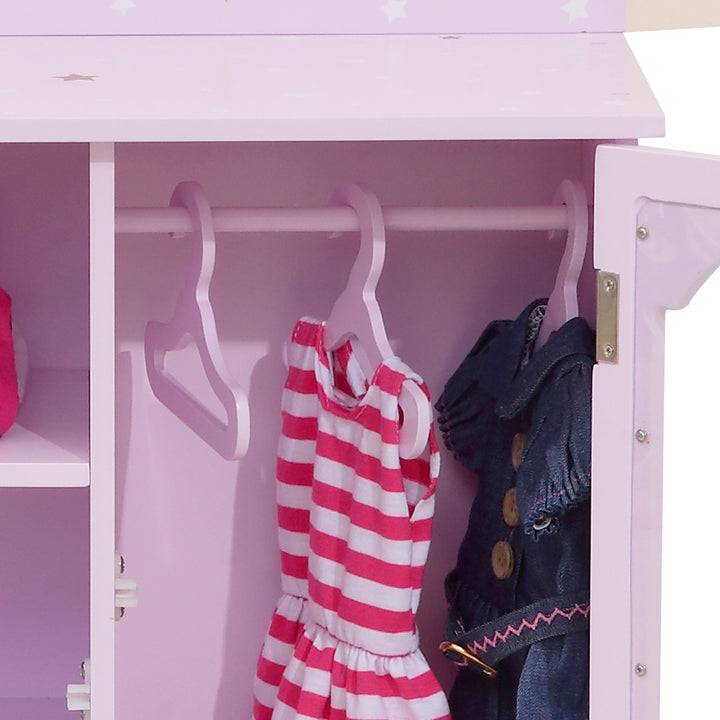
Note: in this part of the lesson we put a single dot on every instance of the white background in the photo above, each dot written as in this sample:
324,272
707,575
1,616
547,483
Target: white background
683,67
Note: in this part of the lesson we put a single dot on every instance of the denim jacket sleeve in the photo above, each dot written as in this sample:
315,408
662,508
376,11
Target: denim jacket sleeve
554,475
466,406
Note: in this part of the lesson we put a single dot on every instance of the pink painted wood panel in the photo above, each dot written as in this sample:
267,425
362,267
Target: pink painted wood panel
673,195
43,235
33,708
137,17
44,597
324,88
104,471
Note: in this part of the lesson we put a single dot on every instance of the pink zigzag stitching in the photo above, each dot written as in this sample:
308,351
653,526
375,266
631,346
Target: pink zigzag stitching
525,625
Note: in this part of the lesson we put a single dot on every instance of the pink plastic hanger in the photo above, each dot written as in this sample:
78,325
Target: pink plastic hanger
563,301
356,313
194,317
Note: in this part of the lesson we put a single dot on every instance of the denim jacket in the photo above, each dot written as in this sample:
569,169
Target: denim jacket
518,596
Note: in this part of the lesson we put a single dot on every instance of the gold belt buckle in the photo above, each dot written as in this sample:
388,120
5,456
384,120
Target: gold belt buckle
460,650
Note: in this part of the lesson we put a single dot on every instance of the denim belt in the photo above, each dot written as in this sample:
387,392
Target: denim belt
484,646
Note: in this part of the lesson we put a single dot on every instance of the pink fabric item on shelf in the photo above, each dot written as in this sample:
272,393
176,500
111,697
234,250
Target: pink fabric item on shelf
355,525
9,399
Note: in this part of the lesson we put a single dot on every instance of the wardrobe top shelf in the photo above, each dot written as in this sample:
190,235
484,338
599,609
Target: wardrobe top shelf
330,87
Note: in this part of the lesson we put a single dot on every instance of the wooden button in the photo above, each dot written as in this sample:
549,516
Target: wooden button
502,560
511,514
516,451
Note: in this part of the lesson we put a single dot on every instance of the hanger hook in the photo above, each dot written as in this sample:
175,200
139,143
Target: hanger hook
563,301
357,313
194,316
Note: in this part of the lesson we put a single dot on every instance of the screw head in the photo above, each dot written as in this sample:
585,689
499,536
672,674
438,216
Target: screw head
608,351
609,285
642,233
641,435
640,669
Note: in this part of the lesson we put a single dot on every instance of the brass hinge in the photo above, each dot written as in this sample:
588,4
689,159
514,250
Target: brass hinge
607,317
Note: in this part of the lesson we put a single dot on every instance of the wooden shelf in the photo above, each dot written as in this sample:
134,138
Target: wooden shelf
324,87
48,446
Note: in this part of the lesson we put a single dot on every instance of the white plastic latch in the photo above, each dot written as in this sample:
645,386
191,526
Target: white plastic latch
125,589
78,696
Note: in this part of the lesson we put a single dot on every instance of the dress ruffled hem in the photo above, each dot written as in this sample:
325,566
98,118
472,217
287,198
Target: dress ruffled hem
286,628
328,679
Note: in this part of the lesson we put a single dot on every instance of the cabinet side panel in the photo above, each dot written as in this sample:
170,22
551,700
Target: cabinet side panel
102,424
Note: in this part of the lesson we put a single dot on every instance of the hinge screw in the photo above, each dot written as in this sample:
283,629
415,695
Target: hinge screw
640,669
82,670
641,435
609,285
642,233
608,351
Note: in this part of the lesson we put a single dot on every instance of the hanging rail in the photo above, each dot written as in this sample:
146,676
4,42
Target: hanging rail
344,219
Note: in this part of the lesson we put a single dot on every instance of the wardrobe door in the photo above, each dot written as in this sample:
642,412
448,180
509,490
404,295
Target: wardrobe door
657,239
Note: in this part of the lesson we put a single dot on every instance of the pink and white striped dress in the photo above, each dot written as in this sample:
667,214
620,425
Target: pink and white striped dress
355,523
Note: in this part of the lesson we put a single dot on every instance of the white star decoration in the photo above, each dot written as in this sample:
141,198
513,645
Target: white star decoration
575,9
395,9
123,6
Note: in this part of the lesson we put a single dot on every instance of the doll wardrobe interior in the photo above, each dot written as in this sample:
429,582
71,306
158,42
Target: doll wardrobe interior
198,531
129,543
472,271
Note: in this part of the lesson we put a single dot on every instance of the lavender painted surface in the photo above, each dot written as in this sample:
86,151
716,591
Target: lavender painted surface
324,88
50,304
675,197
44,598
34,708
167,17
683,241
103,424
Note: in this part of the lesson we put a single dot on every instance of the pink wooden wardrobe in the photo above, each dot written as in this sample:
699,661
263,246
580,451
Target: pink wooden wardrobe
128,542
